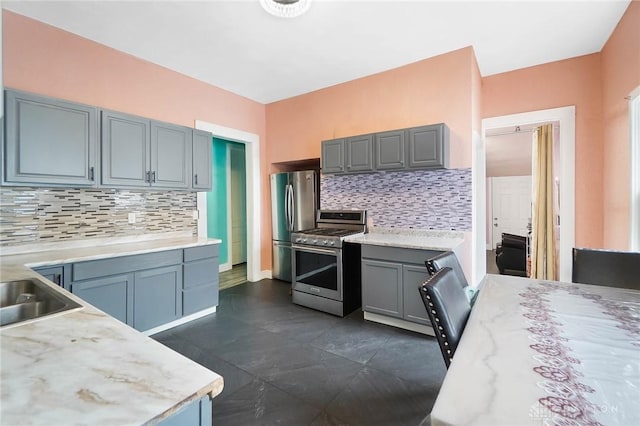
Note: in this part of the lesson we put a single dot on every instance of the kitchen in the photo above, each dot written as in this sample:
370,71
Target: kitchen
29,49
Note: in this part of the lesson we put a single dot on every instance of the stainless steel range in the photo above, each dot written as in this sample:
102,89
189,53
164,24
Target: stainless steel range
325,269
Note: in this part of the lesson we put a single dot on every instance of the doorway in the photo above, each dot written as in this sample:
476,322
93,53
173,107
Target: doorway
565,116
251,143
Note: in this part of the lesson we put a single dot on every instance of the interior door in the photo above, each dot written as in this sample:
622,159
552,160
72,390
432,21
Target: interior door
511,206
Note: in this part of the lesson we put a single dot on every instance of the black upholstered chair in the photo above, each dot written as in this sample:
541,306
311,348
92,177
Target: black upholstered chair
606,267
511,255
449,259
448,309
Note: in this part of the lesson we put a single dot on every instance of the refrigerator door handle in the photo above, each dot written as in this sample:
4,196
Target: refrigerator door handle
287,206
291,208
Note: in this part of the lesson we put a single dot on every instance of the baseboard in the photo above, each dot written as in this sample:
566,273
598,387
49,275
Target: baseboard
395,322
180,321
225,267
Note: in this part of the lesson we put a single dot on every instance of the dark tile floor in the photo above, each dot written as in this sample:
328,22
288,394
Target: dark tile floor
289,365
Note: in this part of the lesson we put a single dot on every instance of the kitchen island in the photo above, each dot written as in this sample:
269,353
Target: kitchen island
84,367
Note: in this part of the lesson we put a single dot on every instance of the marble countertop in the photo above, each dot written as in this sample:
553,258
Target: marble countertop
79,251
85,367
408,238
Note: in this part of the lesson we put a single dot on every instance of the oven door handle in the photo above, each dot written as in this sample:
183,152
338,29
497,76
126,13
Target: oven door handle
333,252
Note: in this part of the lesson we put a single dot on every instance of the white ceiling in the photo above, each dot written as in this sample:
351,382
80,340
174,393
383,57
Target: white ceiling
235,45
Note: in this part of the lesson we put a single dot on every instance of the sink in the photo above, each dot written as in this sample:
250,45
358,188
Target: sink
30,299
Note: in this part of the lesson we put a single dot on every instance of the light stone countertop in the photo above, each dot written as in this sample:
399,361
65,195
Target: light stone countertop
37,255
85,367
410,238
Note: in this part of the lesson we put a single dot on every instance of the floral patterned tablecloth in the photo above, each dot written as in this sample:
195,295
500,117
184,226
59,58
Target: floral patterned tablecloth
545,353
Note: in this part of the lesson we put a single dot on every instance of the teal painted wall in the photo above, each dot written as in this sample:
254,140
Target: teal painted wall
217,199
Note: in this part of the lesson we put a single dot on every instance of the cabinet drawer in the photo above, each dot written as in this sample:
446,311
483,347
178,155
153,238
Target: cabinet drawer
396,254
201,272
199,298
202,252
117,265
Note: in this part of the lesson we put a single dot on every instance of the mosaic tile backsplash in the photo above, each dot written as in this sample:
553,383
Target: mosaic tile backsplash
424,199
31,215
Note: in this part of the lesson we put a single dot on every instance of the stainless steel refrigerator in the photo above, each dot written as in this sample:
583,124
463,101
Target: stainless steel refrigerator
294,201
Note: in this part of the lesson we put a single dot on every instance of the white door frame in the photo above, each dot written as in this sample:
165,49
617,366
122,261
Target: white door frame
252,155
230,204
566,116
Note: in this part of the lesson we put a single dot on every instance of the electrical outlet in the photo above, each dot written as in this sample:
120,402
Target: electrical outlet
196,214
132,218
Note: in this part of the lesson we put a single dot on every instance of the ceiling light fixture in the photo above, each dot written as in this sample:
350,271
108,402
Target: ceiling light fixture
286,8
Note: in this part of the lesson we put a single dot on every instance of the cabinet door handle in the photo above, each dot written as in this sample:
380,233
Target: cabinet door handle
58,279
196,178
91,173
147,177
153,177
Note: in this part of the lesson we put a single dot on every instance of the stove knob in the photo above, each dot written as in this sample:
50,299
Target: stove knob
333,243
304,240
314,242
325,242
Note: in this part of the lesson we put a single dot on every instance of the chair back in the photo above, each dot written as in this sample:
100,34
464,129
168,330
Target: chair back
449,259
448,310
606,267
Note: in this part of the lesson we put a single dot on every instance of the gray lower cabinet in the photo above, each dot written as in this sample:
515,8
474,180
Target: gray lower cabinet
49,141
198,413
57,274
200,285
157,297
148,290
202,153
391,277
359,153
333,156
113,295
412,279
382,288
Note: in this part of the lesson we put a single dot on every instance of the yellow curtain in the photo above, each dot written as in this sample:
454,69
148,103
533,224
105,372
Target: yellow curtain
543,250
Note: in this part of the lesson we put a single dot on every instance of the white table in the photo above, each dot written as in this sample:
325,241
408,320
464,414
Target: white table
545,353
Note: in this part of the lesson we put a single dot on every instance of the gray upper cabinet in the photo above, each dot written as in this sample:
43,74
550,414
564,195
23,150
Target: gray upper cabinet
390,149
170,156
126,142
52,142
333,156
140,153
359,153
201,178
429,147
49,142
425,147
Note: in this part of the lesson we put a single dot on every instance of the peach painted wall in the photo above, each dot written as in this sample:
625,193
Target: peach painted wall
438,89
621,75
43,59
576,81
430,91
